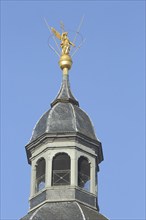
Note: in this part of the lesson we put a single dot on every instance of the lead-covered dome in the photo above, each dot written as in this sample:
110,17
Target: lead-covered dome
64,211
65,116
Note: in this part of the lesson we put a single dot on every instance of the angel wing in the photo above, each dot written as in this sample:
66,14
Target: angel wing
56,33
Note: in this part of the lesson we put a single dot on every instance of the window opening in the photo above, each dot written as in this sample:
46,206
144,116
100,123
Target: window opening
40,174
84,173
61,170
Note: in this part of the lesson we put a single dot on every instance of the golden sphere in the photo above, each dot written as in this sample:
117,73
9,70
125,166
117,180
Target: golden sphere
65,61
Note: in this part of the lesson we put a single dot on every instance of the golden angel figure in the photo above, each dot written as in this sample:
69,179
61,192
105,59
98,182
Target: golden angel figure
65,42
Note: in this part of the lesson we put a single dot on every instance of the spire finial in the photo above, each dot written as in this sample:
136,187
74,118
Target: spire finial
66,45
65,61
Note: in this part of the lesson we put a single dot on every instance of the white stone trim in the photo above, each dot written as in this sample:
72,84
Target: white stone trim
81,211
31,218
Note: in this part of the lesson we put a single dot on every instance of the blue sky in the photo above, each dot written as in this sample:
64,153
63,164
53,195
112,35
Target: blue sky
107,78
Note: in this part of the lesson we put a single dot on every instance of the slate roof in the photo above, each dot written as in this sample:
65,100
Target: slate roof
65,116
64,211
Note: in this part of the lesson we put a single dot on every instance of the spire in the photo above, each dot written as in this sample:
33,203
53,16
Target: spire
65,94
65,64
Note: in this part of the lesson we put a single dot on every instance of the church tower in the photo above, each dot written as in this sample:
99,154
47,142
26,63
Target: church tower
64,155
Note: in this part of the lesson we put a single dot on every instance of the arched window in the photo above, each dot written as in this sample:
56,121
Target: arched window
40,174
61,170
84,173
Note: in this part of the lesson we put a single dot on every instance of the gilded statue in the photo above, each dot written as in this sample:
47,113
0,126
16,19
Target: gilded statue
65,42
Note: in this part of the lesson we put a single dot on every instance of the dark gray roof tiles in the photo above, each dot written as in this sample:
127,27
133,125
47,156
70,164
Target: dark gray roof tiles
64,116
64,211
65,94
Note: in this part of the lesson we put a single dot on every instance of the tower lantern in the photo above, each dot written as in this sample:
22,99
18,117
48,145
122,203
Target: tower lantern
64,155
